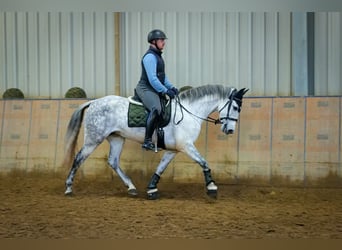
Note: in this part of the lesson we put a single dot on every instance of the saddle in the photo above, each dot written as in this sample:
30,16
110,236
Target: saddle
137,116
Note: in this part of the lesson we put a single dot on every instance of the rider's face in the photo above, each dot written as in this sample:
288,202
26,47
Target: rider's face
160,43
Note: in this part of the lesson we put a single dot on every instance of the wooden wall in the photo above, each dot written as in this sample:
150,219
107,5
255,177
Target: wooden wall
292,141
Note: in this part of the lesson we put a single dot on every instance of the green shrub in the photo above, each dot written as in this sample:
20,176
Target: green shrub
13,93
75,92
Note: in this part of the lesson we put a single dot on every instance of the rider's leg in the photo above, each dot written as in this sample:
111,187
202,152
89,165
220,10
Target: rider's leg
151,101
151,123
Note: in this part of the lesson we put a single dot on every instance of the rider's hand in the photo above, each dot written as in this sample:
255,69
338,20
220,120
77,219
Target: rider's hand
170,93
175,90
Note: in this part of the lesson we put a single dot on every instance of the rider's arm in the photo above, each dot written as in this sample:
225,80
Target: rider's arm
150,64
167,83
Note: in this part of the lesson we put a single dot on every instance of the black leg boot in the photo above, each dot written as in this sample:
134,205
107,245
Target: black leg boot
150,127
152,190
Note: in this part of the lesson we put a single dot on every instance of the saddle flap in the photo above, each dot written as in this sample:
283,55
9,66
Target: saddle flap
137,114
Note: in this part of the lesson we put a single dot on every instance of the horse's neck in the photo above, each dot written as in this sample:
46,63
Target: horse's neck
204,106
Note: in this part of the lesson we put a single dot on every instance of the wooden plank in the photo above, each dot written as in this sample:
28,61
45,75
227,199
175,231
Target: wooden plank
255,172
221,147
255,130
2,105
288,140
287,174
15,134
1,117
255,140
322,138
188,172
43,133
322,129
66,108
340,156
222,152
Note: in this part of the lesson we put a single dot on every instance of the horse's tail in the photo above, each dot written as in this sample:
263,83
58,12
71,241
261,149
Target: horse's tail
73,130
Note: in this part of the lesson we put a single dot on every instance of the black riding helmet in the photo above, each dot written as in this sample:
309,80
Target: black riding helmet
155,34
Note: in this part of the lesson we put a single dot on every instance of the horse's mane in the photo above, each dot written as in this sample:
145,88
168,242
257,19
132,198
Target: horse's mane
201,91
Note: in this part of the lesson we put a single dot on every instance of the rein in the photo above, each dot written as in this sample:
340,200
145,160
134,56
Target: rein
208,119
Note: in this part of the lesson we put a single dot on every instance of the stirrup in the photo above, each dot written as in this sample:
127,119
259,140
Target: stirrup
150,146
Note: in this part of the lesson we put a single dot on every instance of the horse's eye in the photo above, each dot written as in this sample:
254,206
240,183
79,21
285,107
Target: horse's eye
236,108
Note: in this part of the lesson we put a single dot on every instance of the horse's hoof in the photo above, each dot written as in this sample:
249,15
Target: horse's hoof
133,192
212,194
68,191
152,195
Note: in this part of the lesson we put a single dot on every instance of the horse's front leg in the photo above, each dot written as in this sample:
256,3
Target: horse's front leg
192,151
152,190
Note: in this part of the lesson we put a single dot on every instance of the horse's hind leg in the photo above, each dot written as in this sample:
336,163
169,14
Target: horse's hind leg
116,144
81,156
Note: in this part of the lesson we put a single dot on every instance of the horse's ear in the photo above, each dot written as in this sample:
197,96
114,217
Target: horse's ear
241,92
244,91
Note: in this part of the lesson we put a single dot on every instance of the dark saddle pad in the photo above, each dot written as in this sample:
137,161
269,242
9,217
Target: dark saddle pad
137,113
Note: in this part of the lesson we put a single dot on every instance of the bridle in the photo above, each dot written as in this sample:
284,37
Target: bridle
229,102
231,98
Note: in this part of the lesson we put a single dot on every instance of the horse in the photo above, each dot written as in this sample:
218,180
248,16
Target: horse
106,119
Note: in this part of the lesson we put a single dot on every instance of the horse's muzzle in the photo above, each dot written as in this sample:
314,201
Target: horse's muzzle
230,131
225,129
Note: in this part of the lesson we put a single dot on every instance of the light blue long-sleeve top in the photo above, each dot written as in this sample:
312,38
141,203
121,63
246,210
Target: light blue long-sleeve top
150,64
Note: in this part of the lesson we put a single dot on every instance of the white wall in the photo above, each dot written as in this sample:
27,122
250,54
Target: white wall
328,53
239,49
46,53
243,49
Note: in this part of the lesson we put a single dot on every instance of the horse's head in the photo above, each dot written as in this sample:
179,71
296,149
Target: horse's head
230,110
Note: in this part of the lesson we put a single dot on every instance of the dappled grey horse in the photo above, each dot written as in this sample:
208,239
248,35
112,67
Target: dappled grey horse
106,118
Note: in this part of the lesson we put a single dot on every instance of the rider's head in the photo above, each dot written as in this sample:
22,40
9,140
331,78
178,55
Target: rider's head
156,37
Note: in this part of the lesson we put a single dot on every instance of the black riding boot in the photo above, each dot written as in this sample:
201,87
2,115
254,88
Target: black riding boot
150,127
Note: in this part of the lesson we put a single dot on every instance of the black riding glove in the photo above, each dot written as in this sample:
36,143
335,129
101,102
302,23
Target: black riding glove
170,93
175,90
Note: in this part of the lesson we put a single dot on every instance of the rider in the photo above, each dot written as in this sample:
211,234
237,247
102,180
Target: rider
153,83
